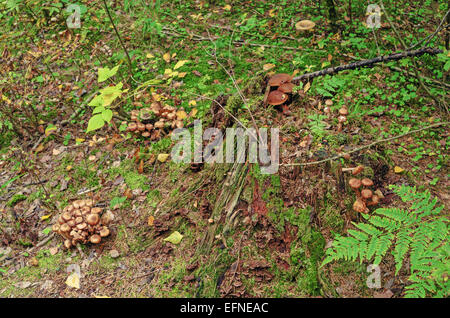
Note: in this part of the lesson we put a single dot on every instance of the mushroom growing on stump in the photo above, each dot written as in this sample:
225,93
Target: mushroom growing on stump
80,222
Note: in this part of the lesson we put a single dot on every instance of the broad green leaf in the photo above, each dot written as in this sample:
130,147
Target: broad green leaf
107,115
96,101
105,73
98,109
95,122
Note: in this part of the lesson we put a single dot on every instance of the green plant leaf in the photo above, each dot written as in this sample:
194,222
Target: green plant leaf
107,115
95,122
105,73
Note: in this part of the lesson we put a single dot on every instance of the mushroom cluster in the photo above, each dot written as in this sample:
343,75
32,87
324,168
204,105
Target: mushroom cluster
150,121
281,90
364,197
343,112
80,222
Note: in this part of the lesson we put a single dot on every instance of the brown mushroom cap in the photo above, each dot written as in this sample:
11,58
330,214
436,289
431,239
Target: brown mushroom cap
343,111
375,199
359,206
64,228
279,79
140,126
104,231
357,170
132,126
366,194
82,226
367,182
342,119
276,98
329,102
354,183
92,219
95,239
66,216
96,210
55,227
286,88
305,25
67,244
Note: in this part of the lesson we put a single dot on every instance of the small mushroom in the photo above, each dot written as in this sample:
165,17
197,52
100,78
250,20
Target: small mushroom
329,102
354,183
96,210
159,124
367,182
92,219
95,239
149,127
66,216
360,206
55,227
366,194
304,25
343,111
357,170
146,134
104,231
82,226
140,126
64,228
375,200
132,127
67,244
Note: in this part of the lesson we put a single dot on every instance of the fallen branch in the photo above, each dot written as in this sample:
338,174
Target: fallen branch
368,63
364,147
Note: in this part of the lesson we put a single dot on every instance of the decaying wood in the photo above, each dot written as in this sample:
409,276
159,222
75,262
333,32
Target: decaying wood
368,63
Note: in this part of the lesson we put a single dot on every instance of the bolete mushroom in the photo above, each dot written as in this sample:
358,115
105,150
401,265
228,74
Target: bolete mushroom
286,88
277,98
279,79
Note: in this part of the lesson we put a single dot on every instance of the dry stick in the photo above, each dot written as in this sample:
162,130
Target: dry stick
398,69
368,63
431,36
120,39
364,147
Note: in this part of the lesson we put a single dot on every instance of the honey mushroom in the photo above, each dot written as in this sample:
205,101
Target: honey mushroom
80,222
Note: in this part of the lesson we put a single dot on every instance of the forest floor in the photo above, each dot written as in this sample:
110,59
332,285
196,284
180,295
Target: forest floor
285,221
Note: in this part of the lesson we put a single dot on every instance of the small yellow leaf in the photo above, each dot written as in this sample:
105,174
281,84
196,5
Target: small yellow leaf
45,217
166,57
49,130
150,55
307,87
192,103
180,64
73,281
227,7
98,296
268,66
181,114
68,168
162,157
40,148
150,220
271,13
182,74
398,169
79,140
193,112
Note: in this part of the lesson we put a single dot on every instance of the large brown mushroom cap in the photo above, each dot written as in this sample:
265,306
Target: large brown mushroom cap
279,79
104,232
276,98
367,182
305,25
286,88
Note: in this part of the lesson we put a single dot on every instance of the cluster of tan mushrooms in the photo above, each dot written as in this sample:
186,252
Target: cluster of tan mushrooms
364,197
80,222
281,89
150,121
343,112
